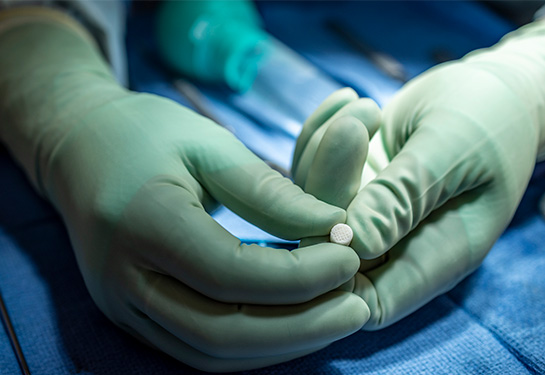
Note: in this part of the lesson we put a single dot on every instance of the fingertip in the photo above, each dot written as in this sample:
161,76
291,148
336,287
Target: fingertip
334,175
355,313
370,114
333,152
342,95
347,133
365,313
320,217
332,104
344,257
351,260
311,241
326,266
365,289
365,110
324,112
346,92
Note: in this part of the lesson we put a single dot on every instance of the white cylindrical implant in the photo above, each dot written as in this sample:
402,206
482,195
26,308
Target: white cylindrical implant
341,234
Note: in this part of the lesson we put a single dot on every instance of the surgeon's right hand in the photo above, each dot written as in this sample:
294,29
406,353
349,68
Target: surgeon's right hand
448,167
134,175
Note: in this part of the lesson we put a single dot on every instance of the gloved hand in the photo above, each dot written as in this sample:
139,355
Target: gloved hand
447,170
134,177
332,148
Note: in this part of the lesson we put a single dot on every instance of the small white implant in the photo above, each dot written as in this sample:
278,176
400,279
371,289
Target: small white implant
341,234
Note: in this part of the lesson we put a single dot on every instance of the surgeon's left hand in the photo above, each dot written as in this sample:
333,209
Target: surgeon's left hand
448,167
134,177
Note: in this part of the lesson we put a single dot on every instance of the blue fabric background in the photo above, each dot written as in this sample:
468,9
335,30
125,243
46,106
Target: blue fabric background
492,323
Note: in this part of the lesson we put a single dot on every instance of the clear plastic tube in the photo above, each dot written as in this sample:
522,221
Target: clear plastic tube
286,90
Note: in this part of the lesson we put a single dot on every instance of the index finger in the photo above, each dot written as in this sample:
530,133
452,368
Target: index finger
168,227
273,203
330,105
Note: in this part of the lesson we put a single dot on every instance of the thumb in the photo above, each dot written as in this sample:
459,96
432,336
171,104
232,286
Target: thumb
439,161
335,173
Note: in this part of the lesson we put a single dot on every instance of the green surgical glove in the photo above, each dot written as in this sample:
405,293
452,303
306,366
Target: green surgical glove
332,148
134,175
447,170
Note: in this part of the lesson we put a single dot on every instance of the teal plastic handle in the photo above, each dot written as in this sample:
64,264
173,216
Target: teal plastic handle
212,41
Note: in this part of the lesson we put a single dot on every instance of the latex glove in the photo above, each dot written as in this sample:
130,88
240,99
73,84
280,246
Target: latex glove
454,154
134,176
332,148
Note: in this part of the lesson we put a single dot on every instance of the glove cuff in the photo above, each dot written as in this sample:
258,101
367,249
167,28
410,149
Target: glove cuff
15,17
51,74
518,59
